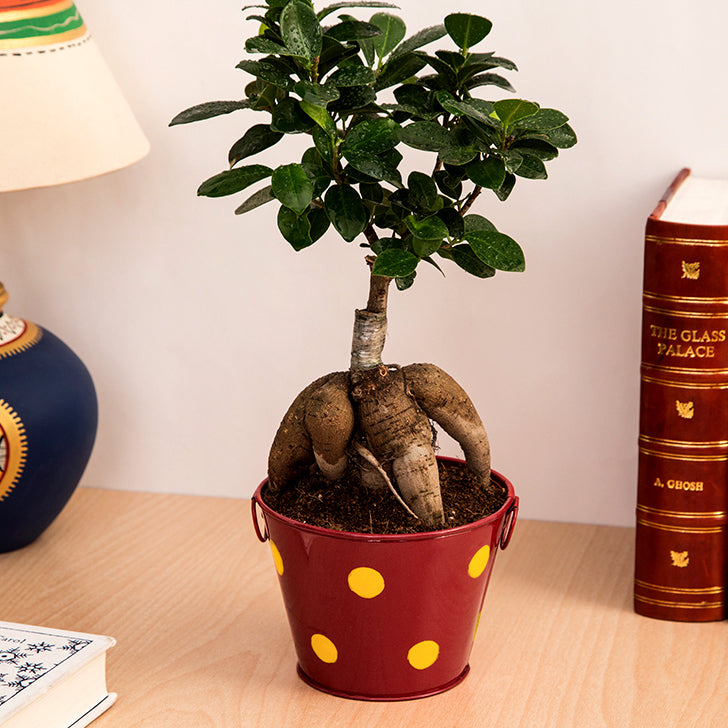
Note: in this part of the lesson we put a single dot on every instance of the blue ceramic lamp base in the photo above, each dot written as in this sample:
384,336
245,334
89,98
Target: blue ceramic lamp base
48,420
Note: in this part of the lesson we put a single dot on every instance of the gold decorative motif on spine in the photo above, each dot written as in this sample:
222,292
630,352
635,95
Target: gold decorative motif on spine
14,450
686,410
691,270
681,559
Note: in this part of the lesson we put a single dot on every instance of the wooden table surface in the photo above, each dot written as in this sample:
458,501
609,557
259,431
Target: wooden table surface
193,600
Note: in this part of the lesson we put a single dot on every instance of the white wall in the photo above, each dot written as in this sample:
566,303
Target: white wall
199,327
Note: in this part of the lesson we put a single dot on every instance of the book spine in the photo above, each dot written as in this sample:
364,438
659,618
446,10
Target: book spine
682,493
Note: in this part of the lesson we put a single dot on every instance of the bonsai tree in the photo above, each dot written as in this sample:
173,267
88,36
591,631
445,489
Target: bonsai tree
365,93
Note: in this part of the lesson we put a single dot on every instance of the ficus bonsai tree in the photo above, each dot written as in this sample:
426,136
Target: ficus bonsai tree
365,94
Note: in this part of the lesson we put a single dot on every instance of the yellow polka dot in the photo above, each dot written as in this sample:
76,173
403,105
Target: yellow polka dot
423,654
365,582
277,559
324,648
477,624
478,563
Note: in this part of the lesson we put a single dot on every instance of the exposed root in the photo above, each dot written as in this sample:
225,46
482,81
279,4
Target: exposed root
446,403
364,453
292,452
398,432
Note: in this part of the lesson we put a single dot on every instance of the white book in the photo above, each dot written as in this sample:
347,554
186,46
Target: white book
51,678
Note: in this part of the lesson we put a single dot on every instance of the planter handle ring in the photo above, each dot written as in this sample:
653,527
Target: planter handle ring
509,522
263,535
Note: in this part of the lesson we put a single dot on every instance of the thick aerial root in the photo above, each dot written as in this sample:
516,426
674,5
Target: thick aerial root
388,409
317,427
398,432
447,404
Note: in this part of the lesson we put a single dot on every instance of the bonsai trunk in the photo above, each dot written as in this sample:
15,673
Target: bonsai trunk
378,417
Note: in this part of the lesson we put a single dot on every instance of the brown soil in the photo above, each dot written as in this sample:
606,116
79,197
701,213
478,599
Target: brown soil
348,506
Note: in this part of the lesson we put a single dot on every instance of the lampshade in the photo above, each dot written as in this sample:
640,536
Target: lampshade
62,115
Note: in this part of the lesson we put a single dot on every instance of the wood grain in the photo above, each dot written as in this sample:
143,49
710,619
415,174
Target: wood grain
192,598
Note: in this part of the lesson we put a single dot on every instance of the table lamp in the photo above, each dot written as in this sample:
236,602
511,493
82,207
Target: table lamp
63,118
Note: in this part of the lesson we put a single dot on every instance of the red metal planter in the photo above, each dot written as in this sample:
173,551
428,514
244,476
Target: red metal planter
384,617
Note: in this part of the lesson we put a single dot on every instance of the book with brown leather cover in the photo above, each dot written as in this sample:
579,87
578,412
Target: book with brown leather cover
682,493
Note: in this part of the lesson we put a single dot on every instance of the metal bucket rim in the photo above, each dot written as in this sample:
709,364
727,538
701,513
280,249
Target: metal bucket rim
509,505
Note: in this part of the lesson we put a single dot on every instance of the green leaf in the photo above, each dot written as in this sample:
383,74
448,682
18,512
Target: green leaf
393,31
512,160
430,228
269,72
422,191
405,282
335,54
490,172
316,169
233,180
301,30
351,76
353,97
346,211
260,44
316,93
531,167
563,137
324,144
424,248
353,30
397,70
353,4
504,192
475,222
497,250
458,150
320,116
292,187
448,184
467,30
374,166
296,229
472,108
466,259
543,120
207,111
395,263
537,147
489,79
454,222
371,136
256,200
426,135
509,111
419,39
287,117
319,222
258,138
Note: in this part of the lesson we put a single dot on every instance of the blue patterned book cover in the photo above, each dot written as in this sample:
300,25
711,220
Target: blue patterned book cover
51,678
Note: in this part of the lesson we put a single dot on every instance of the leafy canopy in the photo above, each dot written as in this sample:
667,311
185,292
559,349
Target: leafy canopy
365,92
